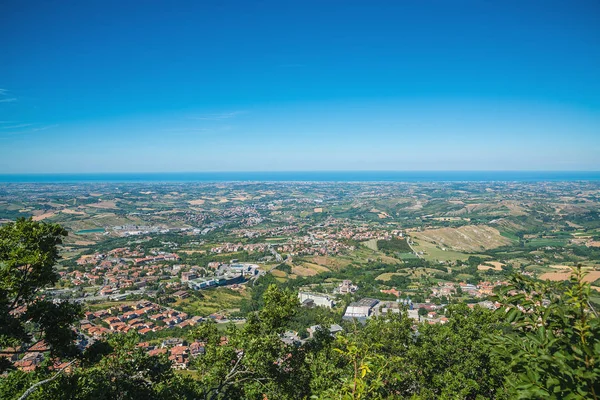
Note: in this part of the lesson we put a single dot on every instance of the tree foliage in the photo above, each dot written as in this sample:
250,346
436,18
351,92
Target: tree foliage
28,253
543,342
115,369
554,342
253,361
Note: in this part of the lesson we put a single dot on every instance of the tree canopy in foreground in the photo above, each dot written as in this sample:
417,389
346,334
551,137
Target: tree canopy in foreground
542,343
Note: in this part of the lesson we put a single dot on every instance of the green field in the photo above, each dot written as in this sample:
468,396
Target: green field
371,244
84,231
535,243
212,300
510,235
388,275
408,256
394,245
432,252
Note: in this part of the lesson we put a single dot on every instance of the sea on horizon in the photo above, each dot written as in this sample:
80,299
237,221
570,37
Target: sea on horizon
308,176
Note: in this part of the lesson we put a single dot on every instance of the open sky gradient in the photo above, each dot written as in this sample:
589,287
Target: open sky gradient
132,86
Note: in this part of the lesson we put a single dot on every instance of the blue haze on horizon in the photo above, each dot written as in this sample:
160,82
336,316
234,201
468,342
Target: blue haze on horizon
113,86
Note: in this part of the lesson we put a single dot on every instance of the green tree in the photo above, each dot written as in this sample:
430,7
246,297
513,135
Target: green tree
253,361
360,372
554,341
115,369
454,360
28,253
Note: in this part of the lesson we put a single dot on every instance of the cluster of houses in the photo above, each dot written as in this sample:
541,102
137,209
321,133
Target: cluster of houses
161,256
115,277
120,268
361,233
29,358
238,211
121,271
235,247
179,351
482,289
328,239
143,317
28,361
278,231
304,245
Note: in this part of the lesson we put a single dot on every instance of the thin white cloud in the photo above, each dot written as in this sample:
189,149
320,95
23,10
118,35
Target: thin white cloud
217,117
43,128
27,131
19,126
4,93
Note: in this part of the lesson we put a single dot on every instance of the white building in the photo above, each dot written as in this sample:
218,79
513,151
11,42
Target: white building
317,299
361,309
347,287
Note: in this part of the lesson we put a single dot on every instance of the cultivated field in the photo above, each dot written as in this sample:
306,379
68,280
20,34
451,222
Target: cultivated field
564,276
330,262
468,238
386,276
43,216
302,271
494,265
108,204
371,244
432,252
315,267
197,202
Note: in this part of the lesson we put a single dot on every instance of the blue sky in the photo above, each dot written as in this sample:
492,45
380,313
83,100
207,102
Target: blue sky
133,86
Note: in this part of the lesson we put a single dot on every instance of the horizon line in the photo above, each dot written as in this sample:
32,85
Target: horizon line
308,171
